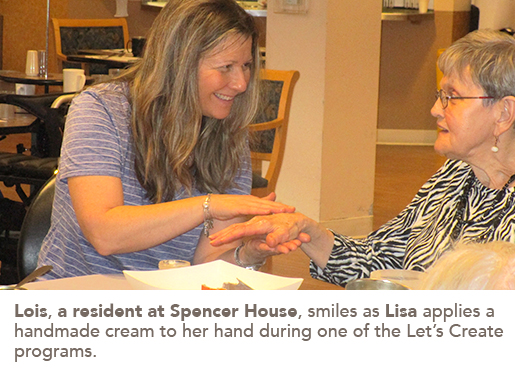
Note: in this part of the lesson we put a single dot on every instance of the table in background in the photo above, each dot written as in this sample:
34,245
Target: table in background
22,78
118,58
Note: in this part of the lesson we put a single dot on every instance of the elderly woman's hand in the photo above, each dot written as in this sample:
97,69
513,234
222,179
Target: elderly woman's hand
227,206
280,233
256,251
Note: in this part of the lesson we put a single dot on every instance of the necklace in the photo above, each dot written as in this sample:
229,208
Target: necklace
462,205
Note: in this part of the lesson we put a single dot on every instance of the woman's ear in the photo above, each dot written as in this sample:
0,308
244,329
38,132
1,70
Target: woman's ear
507,115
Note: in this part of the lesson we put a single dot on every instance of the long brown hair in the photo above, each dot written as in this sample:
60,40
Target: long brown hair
174,144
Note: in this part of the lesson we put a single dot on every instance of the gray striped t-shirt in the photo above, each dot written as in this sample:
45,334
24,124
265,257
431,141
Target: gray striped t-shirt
97,142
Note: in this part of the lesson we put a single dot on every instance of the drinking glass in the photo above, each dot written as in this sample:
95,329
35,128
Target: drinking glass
42,59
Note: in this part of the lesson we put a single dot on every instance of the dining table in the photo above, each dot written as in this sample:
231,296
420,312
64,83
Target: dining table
52,79
115,58
118,282
18,77
294,265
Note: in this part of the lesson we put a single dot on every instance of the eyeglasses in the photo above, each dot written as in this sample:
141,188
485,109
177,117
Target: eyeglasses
444,98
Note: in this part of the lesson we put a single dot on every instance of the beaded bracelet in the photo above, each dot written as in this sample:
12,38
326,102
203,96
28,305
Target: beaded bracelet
208,219
238,261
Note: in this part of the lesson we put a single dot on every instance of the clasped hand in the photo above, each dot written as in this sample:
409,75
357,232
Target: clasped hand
266,235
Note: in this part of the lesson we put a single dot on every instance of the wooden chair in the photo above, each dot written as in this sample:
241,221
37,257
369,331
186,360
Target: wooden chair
268,134
72,35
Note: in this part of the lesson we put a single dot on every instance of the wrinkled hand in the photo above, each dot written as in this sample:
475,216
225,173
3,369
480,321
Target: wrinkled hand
227,206
259,249
277,233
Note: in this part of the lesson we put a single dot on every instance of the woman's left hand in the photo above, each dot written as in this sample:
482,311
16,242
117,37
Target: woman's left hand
226,206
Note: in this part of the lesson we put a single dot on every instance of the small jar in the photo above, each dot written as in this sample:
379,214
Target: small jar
172,264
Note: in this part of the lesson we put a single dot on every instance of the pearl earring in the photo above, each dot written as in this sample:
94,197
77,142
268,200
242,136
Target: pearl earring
494,147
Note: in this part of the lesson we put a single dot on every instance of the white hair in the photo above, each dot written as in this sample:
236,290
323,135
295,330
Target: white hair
489,266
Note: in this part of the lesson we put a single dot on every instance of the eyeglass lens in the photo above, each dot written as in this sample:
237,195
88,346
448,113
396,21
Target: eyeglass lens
443,98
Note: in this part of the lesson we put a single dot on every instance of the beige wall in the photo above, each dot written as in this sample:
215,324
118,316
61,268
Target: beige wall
24,29
408,68
328,170
25,24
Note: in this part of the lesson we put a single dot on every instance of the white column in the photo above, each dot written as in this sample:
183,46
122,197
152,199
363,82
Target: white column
328,170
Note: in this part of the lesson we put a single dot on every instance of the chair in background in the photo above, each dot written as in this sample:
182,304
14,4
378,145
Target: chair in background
268,133
72,35
34,229
17,169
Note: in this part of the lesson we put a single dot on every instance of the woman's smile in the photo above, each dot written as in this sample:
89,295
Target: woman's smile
224,97
224,74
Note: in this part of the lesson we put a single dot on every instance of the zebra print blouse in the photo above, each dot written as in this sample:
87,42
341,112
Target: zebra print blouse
416,237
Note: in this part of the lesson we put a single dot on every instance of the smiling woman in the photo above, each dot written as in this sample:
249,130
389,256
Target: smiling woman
223,75
154,159
470,199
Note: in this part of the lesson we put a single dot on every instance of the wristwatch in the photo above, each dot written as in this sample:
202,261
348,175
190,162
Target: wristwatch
240,263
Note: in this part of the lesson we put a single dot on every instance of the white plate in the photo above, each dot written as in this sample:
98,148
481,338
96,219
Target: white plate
212,274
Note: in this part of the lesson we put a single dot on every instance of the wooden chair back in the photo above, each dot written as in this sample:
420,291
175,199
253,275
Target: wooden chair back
72,35
268,134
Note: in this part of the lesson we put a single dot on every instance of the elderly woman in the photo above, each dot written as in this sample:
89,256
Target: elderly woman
142,154
471,198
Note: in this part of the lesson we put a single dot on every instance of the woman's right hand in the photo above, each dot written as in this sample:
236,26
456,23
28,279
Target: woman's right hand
227,206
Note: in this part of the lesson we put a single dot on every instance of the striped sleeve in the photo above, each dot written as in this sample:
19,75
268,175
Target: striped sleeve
412,240
92,142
